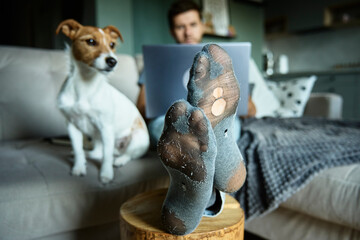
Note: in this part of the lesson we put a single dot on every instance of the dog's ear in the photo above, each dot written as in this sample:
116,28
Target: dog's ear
114,32
69,27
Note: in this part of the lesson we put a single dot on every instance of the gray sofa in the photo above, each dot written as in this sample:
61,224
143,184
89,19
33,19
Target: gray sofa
39,199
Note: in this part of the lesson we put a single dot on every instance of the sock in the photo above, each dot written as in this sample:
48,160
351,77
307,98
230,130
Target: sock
187,149
214,88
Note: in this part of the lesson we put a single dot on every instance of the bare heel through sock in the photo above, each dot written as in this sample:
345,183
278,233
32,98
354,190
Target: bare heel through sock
187,148
214,88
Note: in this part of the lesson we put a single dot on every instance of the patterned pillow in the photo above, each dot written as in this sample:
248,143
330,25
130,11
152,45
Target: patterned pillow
265,101
292,95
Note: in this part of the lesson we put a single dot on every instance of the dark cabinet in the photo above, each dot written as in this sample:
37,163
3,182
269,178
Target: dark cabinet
287,17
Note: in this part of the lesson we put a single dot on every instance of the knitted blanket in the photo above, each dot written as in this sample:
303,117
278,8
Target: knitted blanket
283,155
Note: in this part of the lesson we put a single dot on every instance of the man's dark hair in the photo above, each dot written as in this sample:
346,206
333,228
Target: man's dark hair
181,6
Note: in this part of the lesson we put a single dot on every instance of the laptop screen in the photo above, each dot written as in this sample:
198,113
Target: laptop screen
167,72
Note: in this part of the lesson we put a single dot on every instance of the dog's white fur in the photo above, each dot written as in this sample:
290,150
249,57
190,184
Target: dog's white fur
95,108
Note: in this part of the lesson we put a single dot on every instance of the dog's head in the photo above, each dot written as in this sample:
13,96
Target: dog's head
91,45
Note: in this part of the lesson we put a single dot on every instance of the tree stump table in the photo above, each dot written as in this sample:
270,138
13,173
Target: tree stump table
140,219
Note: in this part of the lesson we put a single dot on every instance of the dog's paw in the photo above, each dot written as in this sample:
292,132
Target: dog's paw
79,170
122,160
106,174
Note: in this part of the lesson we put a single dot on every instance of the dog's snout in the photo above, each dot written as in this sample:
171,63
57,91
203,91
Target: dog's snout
111,62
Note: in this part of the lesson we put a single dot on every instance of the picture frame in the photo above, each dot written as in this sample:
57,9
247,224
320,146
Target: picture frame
216,18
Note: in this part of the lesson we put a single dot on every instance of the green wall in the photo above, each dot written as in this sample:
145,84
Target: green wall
248,21
150,21
120,14
145,22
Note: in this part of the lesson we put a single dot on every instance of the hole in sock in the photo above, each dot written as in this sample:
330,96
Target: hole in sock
215,208
218,107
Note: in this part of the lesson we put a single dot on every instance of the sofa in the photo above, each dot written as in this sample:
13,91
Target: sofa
39,199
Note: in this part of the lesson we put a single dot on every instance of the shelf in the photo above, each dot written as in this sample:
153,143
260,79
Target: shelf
316,73
341,15
288,18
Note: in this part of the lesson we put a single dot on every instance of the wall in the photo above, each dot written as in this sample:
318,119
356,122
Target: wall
150,23
310,45
145,22
319,51
313,48
248,21
118,13
33,23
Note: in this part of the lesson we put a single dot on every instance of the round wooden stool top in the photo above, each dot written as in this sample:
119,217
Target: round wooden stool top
140,219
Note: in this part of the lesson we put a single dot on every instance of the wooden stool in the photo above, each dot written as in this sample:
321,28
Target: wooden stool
140,219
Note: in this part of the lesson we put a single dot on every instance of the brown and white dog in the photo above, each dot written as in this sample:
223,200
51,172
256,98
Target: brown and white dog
93,107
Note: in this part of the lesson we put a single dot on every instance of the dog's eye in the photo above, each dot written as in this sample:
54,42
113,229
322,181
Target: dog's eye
91,42
112,45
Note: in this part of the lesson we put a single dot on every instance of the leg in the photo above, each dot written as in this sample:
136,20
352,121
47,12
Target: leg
156,127
187,149
97,152
138,146
108,140
76,137
213,87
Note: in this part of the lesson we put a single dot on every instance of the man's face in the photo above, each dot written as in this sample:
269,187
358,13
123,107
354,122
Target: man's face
188,27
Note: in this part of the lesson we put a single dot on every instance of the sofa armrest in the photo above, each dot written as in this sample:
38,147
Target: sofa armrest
328,105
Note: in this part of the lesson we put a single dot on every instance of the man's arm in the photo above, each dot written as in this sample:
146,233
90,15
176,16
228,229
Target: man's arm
140,104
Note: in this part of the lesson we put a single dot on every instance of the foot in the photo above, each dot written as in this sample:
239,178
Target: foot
95,154
79,168
187,149
121,160
214,88
106,173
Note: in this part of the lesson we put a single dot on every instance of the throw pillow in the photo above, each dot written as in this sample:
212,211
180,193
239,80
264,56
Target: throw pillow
263,98
292,95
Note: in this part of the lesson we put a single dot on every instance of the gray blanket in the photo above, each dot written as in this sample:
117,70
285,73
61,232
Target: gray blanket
282,155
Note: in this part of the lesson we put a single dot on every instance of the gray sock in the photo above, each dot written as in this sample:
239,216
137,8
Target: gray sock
187,149
214,88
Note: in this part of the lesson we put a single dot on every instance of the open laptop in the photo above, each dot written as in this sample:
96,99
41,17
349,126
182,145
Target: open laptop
166,72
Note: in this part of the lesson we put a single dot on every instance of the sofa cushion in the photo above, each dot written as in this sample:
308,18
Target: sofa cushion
264,99
39,197
286,224
125,77
292,94
30,82
332,196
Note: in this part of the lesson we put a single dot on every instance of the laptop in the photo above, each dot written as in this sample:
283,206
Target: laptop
167,72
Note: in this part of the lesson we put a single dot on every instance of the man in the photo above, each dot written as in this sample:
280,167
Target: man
184,18
186,27
185,23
